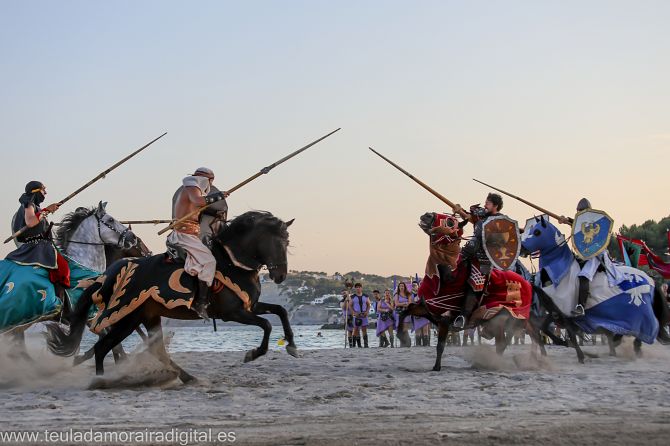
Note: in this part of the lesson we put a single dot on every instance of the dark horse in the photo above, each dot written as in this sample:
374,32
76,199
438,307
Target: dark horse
244,245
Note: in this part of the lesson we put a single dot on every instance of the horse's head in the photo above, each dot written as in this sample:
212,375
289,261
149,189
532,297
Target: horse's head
114,253
541,236
111,231
255,239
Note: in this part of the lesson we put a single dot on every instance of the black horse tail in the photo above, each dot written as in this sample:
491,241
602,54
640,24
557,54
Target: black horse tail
66,343
662,313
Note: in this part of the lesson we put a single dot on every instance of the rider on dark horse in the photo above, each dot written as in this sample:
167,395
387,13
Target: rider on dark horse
36,243
200,261
473,253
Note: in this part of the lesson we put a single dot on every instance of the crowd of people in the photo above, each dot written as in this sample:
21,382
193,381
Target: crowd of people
357,307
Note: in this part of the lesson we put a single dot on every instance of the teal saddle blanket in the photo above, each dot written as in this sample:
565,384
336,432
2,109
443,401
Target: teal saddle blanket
27,296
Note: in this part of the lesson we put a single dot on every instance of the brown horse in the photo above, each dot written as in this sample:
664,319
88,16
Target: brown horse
241,248
443,291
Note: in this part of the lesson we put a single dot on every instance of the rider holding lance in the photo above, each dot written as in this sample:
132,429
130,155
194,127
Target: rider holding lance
200,261
473,252
35,243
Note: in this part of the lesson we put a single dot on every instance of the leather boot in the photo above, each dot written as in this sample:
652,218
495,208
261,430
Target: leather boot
351,341
392,341
417,340
201,300
383,342
583,296
365,341
358,341
469,303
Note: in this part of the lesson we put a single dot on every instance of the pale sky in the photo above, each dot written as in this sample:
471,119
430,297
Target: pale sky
549,100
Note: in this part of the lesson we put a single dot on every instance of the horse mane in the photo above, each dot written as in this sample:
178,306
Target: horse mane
250,219
70,223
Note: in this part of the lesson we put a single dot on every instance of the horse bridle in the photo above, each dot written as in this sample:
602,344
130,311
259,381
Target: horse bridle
119,243
235,261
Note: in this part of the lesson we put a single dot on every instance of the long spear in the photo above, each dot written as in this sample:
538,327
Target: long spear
264,170
534,206
439,196
99,176
136,222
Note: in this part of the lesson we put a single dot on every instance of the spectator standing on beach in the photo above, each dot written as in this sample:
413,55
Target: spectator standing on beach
401,301
346,316
385,321
421,324
360,308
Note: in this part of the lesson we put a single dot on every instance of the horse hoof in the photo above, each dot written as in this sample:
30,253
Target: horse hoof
292,350
437,368
188,379
250,356
78,360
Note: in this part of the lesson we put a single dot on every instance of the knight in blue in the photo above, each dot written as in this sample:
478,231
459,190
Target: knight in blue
35,244
473,253
602,262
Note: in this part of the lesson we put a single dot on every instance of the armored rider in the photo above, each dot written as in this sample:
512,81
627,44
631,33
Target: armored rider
35,244
473,252
195,193
589,268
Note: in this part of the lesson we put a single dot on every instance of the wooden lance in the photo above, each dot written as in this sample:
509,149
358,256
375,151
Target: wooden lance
98,177
534,206
263,171
439,196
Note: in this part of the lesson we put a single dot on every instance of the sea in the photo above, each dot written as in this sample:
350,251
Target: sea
230,337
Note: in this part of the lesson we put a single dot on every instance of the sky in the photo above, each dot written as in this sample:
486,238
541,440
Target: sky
553,101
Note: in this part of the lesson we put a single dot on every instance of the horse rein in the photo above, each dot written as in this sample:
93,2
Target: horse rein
119,243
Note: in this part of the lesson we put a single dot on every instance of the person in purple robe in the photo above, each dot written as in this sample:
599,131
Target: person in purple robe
360,308
385,320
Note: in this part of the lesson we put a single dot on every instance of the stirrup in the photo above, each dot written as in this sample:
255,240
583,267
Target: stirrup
459,322
578,310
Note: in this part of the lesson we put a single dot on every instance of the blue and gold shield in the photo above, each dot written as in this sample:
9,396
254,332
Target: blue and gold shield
591,232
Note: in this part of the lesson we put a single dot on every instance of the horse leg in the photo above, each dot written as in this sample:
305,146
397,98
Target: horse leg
534,334
265,308
573,339
157,348
248,318
637,346
501,340
116,334
18,345
442,332
611,343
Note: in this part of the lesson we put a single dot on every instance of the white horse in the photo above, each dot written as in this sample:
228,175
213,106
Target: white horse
84,233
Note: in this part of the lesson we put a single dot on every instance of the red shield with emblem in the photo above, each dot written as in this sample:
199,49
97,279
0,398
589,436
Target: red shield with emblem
502,243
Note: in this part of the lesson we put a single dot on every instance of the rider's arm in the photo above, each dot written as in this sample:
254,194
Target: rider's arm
194,195
31,219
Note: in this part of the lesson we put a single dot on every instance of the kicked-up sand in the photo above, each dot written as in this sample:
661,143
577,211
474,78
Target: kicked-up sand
354,397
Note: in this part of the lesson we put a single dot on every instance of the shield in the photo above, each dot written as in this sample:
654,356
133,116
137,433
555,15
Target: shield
501,241
591,231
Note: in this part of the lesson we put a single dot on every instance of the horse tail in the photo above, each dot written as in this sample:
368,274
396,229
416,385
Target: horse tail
66,343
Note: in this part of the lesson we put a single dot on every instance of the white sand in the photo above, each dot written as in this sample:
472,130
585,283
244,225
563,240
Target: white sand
361,396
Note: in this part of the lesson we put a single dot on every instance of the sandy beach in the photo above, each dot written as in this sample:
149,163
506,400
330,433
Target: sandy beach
360,396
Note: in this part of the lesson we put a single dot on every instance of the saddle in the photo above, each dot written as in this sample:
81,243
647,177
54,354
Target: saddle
177,254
